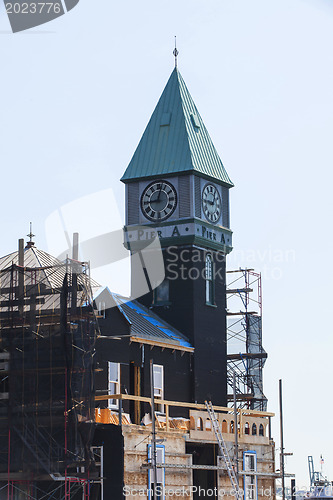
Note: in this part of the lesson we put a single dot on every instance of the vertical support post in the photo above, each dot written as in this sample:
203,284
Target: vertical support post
293,489
75,252
102,473
8,492
21,275
120,415
21,252
153,440
74,269
137,392
270,427
67,484
67,489
282,444
167,417
236,427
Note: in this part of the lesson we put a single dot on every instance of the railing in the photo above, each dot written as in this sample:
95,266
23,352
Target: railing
242,412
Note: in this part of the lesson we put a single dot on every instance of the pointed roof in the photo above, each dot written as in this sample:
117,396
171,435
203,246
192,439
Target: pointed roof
176,140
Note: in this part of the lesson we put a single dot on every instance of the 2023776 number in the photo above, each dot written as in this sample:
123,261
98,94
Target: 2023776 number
33,8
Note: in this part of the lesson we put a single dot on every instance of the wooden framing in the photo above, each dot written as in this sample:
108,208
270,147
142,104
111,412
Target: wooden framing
193,406
163,345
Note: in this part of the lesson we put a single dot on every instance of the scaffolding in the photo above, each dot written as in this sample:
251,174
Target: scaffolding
245,354
48,331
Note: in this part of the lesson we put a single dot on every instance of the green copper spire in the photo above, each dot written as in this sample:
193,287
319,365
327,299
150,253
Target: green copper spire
176,140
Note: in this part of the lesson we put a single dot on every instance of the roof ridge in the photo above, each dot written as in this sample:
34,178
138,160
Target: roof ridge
33,248
181,80
186,94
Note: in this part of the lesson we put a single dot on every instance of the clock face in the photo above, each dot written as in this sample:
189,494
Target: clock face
211,203
158,201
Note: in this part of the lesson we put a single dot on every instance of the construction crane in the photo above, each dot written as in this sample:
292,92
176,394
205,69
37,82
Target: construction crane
316,478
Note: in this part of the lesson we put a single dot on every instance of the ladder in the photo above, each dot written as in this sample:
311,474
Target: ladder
223,449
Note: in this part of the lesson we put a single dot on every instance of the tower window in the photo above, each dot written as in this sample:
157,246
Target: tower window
209,280
161,294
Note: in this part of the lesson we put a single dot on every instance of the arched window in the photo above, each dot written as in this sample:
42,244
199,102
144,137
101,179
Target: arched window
209,280
208,424
224,426
199,424
254,430
232,427
247,428
192,423
261,430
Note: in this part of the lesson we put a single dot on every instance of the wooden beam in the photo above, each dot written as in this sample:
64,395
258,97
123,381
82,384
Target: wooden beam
163,345
181,404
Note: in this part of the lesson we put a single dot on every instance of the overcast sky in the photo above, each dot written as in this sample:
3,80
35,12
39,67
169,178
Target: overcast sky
77,94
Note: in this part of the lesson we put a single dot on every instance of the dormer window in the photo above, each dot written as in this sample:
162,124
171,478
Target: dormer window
195,121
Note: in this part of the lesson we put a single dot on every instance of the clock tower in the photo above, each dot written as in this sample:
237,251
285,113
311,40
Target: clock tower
178,189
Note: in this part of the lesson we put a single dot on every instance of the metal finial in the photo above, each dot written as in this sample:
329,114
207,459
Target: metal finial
175,52
30,235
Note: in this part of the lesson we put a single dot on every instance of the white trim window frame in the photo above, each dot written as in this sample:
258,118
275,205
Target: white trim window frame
113,384
250,481
159,385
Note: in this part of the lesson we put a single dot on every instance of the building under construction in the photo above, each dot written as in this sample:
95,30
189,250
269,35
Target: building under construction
69,432
105,397
47,333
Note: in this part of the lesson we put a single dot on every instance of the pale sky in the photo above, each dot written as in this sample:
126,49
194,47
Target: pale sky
77,94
